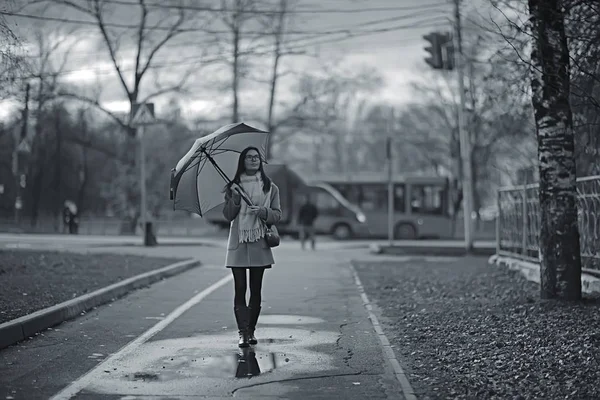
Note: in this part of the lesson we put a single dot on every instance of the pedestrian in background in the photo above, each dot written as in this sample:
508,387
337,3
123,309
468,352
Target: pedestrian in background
307,215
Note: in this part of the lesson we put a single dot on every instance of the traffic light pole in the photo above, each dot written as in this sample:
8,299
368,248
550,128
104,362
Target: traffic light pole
465,141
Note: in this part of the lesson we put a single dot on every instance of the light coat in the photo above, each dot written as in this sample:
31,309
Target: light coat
255,254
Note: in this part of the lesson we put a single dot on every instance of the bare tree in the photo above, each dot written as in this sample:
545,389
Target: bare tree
560,257
45,71
323,111
276,27
11,62
236,15
155,29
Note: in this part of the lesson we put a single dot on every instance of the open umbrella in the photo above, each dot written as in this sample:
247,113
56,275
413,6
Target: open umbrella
198,180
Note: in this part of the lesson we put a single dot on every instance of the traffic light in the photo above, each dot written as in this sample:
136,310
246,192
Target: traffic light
435,61
441,50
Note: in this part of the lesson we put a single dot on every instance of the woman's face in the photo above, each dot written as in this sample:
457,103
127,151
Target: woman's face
252,161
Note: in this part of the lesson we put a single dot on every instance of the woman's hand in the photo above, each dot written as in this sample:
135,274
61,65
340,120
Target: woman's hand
234,193
254,209
260,211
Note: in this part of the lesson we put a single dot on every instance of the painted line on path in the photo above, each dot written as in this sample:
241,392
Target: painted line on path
78,385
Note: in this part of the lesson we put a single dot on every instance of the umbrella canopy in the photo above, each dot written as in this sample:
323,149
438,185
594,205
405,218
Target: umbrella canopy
198,180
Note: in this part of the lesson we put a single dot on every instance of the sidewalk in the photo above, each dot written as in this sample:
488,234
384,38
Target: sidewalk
466,330
178,339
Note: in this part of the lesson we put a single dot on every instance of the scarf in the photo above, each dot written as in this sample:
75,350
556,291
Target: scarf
251,228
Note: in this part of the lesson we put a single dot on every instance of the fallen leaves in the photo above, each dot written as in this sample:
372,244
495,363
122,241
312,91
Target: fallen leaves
468,331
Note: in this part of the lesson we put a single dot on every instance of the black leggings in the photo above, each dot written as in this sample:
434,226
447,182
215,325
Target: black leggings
239,281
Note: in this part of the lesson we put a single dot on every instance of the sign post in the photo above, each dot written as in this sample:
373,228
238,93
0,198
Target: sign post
142,114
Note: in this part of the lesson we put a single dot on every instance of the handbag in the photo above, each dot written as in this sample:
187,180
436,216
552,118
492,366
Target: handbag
272,236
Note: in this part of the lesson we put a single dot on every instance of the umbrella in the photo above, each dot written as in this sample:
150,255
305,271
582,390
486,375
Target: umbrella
71,206
198,180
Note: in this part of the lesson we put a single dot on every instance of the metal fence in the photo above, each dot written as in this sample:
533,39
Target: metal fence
518,223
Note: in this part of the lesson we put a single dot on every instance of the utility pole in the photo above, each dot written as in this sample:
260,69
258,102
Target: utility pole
465,140
142,164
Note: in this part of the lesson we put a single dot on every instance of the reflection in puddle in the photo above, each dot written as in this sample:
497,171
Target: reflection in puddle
247,365
141,376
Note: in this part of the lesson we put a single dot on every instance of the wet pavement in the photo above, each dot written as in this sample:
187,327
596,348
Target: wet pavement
177,339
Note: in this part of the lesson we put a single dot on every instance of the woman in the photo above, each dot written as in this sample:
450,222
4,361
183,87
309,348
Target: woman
247,248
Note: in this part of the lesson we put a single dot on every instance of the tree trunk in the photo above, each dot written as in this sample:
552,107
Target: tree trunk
36,170
58,173
83,181
560,258
274,75
235,83
270,125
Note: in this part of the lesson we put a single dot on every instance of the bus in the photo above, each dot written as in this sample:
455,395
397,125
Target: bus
422,205
338,217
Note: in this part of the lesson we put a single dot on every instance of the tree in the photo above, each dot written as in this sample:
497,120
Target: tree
157,27
276,26
243,12
582,26
11,63
323,113
43,79
560,258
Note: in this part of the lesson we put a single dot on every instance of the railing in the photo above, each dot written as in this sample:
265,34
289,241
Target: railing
518,223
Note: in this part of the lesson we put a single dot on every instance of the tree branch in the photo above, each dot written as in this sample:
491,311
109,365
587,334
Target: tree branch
94,103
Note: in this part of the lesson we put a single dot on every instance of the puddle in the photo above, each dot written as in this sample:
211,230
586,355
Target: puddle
211,363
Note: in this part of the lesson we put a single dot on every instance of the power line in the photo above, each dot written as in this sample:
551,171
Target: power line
308,36
275,11
184,30
221,57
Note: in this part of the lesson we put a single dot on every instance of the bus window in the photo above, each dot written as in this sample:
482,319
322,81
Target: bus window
350,192
427,199
373,197
399,198
325,202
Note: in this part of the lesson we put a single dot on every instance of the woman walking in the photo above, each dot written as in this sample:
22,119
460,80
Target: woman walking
247,248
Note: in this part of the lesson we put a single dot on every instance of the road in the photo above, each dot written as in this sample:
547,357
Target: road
177,338
69,242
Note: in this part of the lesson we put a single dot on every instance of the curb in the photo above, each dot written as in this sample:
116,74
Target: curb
388,351
429,250
26,326
531,271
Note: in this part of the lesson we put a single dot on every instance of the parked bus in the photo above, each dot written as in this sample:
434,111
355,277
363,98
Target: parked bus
421,204
337,216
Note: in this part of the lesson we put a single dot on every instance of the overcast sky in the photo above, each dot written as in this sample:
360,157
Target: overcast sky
397,53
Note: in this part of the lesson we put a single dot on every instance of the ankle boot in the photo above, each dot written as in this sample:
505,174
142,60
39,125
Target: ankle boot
241,317
254,312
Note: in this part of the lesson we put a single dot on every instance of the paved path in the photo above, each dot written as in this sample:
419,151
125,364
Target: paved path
177,339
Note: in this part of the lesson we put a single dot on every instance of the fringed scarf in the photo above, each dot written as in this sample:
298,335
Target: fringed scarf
251,229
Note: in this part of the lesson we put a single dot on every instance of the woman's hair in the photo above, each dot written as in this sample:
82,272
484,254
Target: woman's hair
241,168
